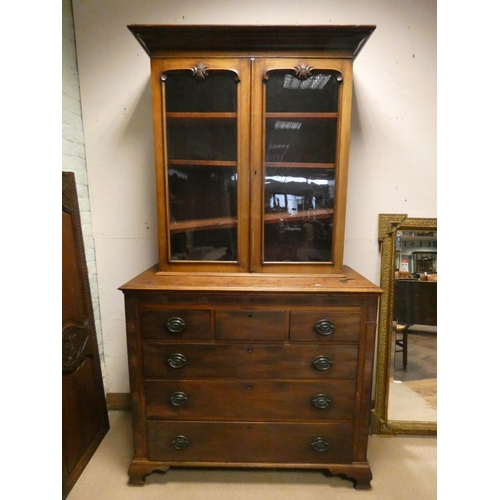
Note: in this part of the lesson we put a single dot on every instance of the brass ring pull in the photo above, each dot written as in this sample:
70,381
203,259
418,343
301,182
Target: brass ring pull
177,360
180,442
175,325
178,399
320,444
324,327
321,401
322,363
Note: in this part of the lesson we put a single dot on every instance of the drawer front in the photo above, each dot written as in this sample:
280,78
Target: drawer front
247,442
179,361
176,324
250,400
250,325
325,326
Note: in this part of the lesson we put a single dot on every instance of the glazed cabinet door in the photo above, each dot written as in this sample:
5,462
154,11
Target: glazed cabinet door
300,135
201,109
252,163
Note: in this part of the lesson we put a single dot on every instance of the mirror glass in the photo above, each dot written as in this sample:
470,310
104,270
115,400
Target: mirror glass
413,364
406,364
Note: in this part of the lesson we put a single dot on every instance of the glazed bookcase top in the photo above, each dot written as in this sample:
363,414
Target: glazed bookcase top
252,131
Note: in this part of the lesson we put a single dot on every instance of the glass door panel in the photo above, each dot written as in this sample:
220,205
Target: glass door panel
201,131
298,214
301,123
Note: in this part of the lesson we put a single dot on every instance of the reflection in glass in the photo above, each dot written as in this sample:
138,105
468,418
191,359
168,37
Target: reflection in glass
413,387
201,228
185,93
415,253
201,130
298,214
300,160
305,141
286,93
213,140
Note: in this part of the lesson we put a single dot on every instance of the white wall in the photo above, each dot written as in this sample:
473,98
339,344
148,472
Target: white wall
73,155
393,144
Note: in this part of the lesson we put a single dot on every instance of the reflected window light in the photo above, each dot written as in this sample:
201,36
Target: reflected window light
283,179
315,82
280,125
182,175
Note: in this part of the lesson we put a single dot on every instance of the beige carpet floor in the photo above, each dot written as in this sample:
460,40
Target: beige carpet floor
426,388
404,468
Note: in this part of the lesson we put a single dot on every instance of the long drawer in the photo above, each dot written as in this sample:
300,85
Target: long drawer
250,400
249,442
178,361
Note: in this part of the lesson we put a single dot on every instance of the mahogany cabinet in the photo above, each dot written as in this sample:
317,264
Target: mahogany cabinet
250,343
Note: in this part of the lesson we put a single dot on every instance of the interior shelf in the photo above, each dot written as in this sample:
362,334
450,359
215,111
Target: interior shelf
225,222
187,116
203,163
288,164
304,116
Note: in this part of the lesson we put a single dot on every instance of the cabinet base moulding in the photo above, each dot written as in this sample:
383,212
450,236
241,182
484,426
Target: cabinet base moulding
359,473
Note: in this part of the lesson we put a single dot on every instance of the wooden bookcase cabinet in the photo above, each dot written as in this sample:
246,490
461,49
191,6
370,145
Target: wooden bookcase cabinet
250,344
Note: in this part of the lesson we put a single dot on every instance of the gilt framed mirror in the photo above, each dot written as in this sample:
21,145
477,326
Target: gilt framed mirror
406,363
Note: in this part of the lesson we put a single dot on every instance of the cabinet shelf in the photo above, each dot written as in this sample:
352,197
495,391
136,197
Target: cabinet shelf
288,164
268,164
226,222
202,116
189,115
202,224
303,116
301,215
203,163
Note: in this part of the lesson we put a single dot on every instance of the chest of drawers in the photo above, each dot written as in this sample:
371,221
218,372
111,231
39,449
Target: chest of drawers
251,371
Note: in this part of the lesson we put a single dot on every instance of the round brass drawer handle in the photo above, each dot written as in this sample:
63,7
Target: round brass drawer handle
175,325
180,442
321,401
322,363
324,327
177,360
178,398
320,444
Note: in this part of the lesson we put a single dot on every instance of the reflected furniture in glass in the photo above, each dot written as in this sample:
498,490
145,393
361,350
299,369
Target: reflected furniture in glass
415,303
250,343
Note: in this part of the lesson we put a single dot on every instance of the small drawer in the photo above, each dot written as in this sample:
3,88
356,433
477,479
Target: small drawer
176,324
237,361
250,399
325,326
250,442
250,325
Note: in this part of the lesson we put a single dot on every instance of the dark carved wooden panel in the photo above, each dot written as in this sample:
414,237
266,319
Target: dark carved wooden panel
85,418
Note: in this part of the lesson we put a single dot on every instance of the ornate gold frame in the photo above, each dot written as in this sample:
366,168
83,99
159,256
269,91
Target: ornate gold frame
388,225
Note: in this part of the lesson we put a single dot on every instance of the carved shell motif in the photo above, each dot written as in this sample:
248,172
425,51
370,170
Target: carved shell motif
200,71
303,71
